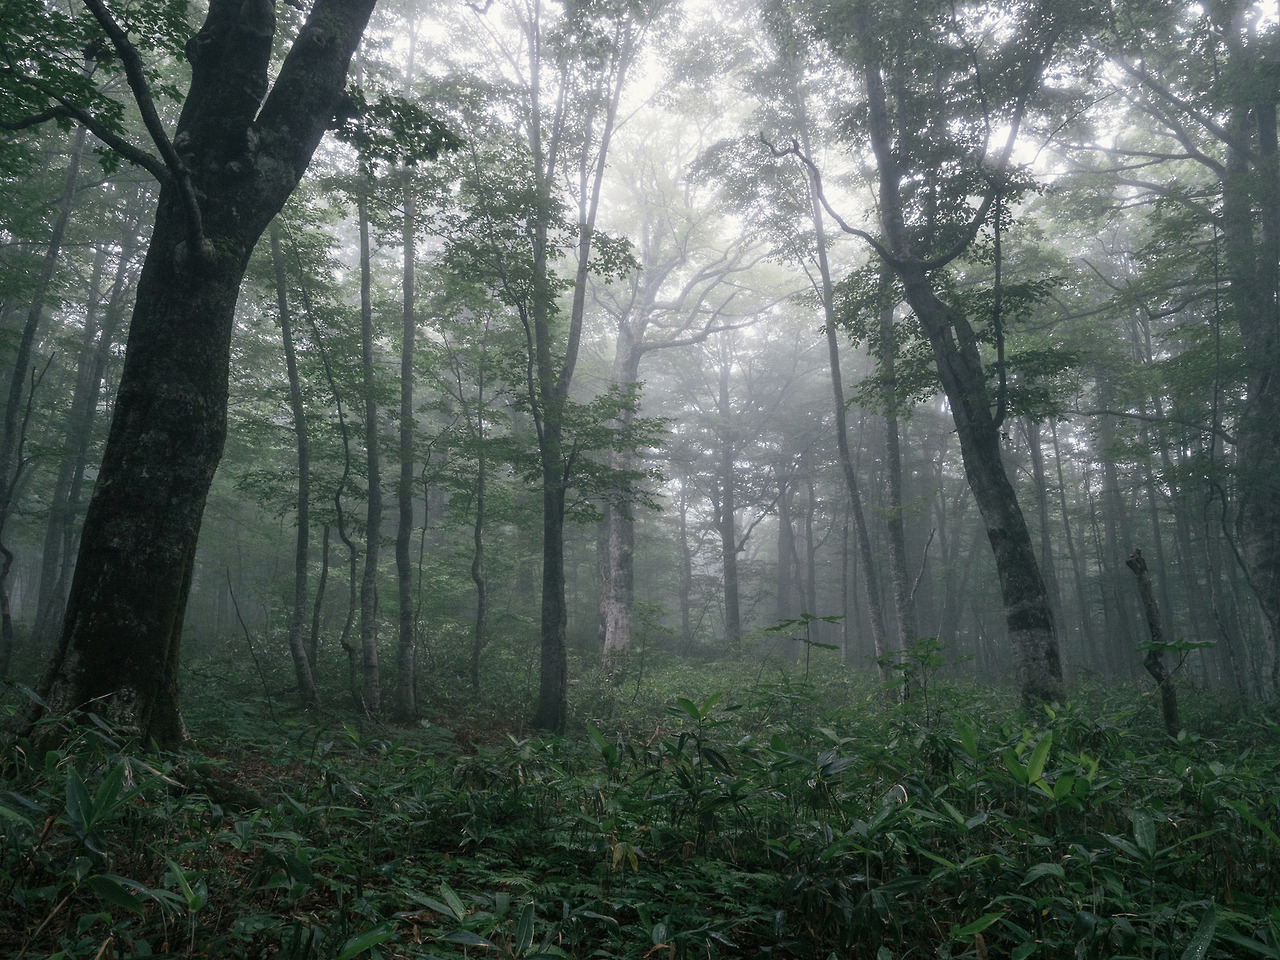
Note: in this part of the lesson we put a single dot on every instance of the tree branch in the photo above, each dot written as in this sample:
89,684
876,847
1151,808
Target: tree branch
180,176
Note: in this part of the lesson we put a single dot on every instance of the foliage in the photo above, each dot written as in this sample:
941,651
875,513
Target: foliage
776,819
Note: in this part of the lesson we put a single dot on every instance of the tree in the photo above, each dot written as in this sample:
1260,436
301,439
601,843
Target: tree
573,70
1211,96
238,150
935,99
297,613
690,284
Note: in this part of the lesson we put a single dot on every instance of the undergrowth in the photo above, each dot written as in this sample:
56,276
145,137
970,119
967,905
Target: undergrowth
765,818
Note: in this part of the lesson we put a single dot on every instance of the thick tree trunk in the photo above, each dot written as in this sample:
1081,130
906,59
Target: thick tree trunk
954,344
1047,566
1252,245
1028,616
616,539
120,642
903,601
302,543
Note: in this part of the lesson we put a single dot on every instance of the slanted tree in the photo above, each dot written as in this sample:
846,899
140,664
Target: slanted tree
240,145
936,100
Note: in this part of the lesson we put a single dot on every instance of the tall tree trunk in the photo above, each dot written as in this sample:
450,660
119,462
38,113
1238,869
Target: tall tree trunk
302,545
1252,246
241,158
551,711
406,701
97,341
866,557
370,684
1036,449
726,514
1028,616
903,602
478,575
1074,556
1116,528
14,417
616,537
550,391
317,606
686,564
784,575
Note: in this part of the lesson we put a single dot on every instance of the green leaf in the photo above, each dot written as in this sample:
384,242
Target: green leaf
597,737
954,814
524,930
78,803
1144,831
105,798
1239,807
688,707
1044,870
1014,765
969,929
10,813
1257,946
1124,846
467,938
454,901
1198,948
195,900
1035,766
114,890
1062,786
370,938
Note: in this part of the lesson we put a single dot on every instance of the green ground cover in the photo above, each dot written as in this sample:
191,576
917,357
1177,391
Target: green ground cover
751,815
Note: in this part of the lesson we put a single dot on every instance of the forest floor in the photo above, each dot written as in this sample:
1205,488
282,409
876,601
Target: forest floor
765,817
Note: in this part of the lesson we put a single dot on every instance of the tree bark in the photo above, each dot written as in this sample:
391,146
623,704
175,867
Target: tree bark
895,522
1028,616
302,543
406,706
725,504
1253,253
1154,660
120,643
11,467
862,535
97,340
370,682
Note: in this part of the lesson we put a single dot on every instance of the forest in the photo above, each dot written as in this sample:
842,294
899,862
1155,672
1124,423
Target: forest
639,478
